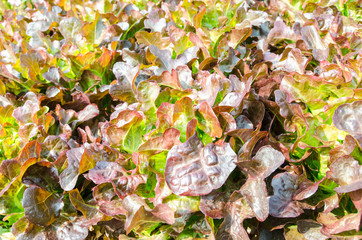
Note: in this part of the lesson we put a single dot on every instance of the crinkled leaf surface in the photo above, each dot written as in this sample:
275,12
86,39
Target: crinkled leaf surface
332,225
213,204
347,172
193,169
134,114
105,172
347,118
264,163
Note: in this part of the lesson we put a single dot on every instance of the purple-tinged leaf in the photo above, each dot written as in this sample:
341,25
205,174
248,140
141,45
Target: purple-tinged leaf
52,75
314,41
264,163
126,185
79,101
88,112
356,197
228,64
161,190
213,204
112,208
154,38
120,126
19,226
10,168
126,76
53,146
32,231
105,172
347,118
155,21
69,177
74,229
248,147
239,35
333,225
232,99
281,100
310,229
165,61
331,203
254,111
71,28
281,203
209,87
103,193
306,189
237,210
279,32
254,192
42,175
347,148
194,170
292,61
25,113
227,122
140,216
40,206
168,139
88,160
347,173
125,72
170,79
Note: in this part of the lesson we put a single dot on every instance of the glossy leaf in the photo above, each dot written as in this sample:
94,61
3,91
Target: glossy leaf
167,63
40,206
69,177
193,170
346,118
281,203
105,172
346,172
208,121
87,210
264,163
42,175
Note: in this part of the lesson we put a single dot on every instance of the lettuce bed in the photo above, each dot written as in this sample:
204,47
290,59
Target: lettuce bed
180,119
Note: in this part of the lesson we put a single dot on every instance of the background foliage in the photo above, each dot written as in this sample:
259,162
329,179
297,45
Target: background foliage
180,119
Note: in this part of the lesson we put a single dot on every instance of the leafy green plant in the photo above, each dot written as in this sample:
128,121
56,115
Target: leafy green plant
180,119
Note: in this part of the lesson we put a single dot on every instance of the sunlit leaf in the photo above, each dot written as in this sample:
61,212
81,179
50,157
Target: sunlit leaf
194,170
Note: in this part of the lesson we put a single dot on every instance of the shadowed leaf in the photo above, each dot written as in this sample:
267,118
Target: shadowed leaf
40,206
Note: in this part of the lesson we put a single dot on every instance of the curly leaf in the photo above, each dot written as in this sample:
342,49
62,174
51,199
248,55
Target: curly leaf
194,170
